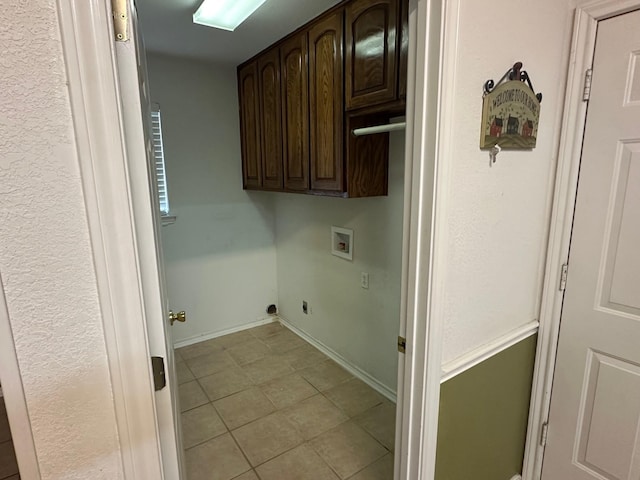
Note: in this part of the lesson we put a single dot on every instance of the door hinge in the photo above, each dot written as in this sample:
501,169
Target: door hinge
120,20
586,92
402,344
159,377
564,270
543,434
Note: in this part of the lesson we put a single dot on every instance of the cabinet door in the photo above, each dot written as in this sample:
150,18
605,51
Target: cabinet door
249,126
371,53
270,119
326,103
367,158
295,113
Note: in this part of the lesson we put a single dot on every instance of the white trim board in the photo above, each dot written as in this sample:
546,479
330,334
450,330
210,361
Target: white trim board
357,372
88,46
220,333
427,144
471,359
573,121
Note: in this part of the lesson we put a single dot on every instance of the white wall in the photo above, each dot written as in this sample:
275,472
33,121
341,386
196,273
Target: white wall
361,325
220,255
45,255
498,217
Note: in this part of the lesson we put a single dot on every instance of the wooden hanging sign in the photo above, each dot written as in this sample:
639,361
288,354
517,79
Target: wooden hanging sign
510,112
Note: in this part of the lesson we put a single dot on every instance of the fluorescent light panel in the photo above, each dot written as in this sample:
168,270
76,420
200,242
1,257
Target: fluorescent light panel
225,14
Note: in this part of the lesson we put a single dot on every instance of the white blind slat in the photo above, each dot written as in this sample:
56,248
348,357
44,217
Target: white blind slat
158,153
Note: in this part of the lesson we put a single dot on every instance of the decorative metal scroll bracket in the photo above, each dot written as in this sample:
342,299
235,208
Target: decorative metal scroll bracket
514,73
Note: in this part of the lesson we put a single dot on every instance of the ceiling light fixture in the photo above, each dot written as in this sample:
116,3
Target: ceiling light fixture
225,14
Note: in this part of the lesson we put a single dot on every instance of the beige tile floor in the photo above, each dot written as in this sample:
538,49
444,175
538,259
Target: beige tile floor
264,404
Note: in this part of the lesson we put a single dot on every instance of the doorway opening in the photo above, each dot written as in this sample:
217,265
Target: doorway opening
313,386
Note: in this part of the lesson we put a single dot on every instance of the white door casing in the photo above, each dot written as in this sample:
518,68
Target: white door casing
595,406
136,113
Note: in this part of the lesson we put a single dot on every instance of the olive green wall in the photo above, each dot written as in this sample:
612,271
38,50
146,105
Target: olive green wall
483,417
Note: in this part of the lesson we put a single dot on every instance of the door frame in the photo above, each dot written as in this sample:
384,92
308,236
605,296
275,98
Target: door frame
424,236
90,58
14,398
88,46
561,222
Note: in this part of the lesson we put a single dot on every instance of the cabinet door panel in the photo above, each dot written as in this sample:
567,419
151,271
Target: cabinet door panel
249,126
326,103
367,158
295,113
270,119
371,52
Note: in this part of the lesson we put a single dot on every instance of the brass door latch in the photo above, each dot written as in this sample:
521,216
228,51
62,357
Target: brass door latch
180,316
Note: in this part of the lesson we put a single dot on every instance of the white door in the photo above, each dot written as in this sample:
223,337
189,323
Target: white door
594,423
136,111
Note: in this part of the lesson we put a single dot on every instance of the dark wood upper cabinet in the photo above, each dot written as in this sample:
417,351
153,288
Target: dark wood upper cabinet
301,98
295,112
249,126
270,119
371,53
326,103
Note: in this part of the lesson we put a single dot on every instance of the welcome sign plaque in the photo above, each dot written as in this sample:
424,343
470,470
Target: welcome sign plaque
510,112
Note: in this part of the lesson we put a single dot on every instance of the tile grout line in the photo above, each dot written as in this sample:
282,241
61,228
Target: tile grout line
277,410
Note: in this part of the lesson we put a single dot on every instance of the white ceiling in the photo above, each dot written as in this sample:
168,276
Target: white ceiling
167,27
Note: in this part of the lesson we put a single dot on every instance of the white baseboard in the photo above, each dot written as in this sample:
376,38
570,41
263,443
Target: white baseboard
219,333
516,477
344,363
479,355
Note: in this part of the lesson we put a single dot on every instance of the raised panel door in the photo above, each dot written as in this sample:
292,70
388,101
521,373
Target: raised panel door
249,126
295,113
594,422
326,103
371,53
270,119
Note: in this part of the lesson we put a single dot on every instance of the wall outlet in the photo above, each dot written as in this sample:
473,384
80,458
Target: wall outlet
364,280
305,307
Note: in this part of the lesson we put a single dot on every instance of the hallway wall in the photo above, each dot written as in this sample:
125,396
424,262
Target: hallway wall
220,255
498,221
498,216
45,255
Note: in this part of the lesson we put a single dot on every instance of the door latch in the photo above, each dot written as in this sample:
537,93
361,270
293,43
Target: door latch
159,377
402,344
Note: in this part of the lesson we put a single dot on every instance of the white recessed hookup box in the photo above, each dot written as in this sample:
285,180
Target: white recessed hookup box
342,242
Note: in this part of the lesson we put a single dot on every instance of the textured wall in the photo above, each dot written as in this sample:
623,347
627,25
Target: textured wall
220,255
498,216
361,325
45,255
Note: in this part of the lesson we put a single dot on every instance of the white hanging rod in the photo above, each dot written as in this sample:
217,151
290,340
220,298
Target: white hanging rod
389,127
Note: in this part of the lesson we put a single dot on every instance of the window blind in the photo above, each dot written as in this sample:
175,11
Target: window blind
158,155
